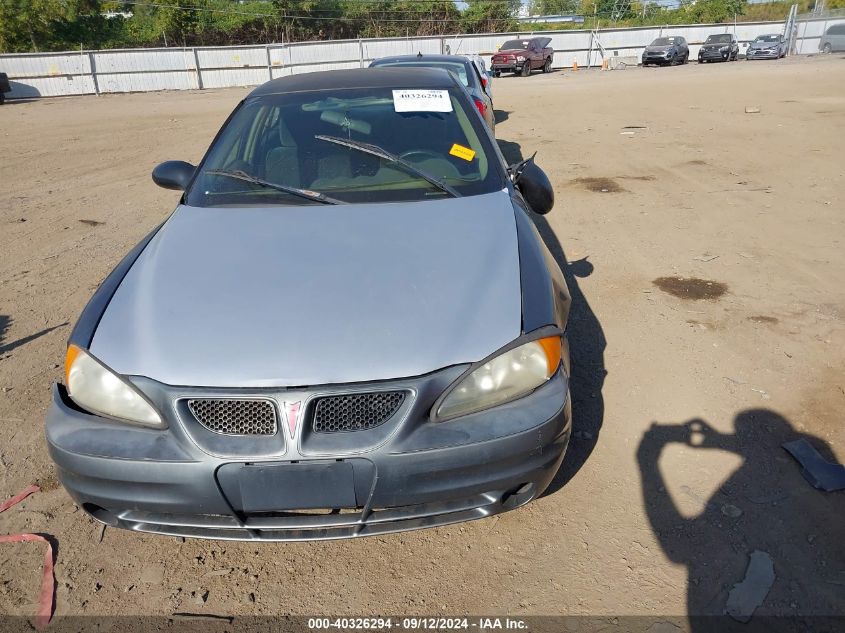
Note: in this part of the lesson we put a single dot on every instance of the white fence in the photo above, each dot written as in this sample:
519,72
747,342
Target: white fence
140,70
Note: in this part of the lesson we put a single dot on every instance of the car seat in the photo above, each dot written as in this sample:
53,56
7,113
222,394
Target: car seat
282,163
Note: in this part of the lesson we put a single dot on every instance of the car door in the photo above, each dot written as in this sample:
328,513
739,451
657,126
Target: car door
837,39
532,55
683,46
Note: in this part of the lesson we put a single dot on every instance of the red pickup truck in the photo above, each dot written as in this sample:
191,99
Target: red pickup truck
522,56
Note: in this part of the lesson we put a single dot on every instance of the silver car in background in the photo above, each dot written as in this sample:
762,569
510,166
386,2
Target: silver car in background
666,50
485,75
349,326
772,46
833,38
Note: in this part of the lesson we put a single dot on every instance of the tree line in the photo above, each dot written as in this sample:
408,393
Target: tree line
50,25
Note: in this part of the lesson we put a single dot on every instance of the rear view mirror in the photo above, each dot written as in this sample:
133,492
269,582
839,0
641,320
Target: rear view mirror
534,185
173,174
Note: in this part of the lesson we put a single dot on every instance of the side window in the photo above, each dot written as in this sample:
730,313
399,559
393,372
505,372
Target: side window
238,148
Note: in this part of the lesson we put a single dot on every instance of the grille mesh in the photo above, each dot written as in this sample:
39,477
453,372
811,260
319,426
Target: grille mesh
235,417
355,411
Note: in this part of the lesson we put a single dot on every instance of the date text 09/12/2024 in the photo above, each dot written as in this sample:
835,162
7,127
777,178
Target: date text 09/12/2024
418,624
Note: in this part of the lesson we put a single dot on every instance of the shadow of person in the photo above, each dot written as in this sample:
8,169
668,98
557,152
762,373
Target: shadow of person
4,325
765,505
586,342
501,116
5,322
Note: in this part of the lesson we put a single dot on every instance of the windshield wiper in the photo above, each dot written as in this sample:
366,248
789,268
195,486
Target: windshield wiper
238,174
375,150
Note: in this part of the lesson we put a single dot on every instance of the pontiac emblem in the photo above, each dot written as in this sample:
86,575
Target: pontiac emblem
292,415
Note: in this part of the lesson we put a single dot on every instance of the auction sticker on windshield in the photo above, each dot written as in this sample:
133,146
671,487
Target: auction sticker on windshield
462,152
422,101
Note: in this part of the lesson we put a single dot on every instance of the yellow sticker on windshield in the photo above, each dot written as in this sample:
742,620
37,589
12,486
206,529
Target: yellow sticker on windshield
462,152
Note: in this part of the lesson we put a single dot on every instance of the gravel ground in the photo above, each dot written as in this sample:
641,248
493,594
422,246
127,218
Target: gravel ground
661,179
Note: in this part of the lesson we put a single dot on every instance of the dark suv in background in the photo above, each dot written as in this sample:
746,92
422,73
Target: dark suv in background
522,56
723,47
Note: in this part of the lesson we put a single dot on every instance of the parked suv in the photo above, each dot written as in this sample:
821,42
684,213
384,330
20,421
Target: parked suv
833,39
723,47
522,56
666,50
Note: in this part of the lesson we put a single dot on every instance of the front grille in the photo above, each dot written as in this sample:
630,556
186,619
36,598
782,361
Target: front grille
355,411
235,417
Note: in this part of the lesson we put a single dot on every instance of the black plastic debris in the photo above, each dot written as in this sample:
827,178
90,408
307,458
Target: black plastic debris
816,469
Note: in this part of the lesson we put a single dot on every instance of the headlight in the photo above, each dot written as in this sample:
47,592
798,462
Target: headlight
96,388
510,375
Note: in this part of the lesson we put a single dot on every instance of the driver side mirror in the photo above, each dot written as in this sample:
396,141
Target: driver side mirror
534,185
173,174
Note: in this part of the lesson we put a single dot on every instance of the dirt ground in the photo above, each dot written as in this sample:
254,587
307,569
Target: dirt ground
660,177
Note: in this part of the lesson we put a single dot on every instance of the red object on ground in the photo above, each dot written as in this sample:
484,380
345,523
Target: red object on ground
18,497
45,606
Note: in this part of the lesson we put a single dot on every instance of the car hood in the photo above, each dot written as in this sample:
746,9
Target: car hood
759,45
659,49
511,51
715,45
313,294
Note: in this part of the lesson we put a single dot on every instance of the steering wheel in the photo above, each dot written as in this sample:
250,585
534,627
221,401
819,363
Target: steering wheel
424,153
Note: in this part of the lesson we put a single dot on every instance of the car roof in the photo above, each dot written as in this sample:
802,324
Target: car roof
459,59
358,78
544,40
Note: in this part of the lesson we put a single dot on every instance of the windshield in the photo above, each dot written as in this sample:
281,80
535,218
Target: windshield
289,149
663,41
516,44
718,39
767,38
457,68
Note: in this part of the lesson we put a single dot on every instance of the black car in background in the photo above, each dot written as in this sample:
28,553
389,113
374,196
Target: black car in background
461,66
666,50
723,47
4,86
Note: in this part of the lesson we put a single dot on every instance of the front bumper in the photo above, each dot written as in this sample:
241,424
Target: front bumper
760,54
714,55
656,59
413,474
510,66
